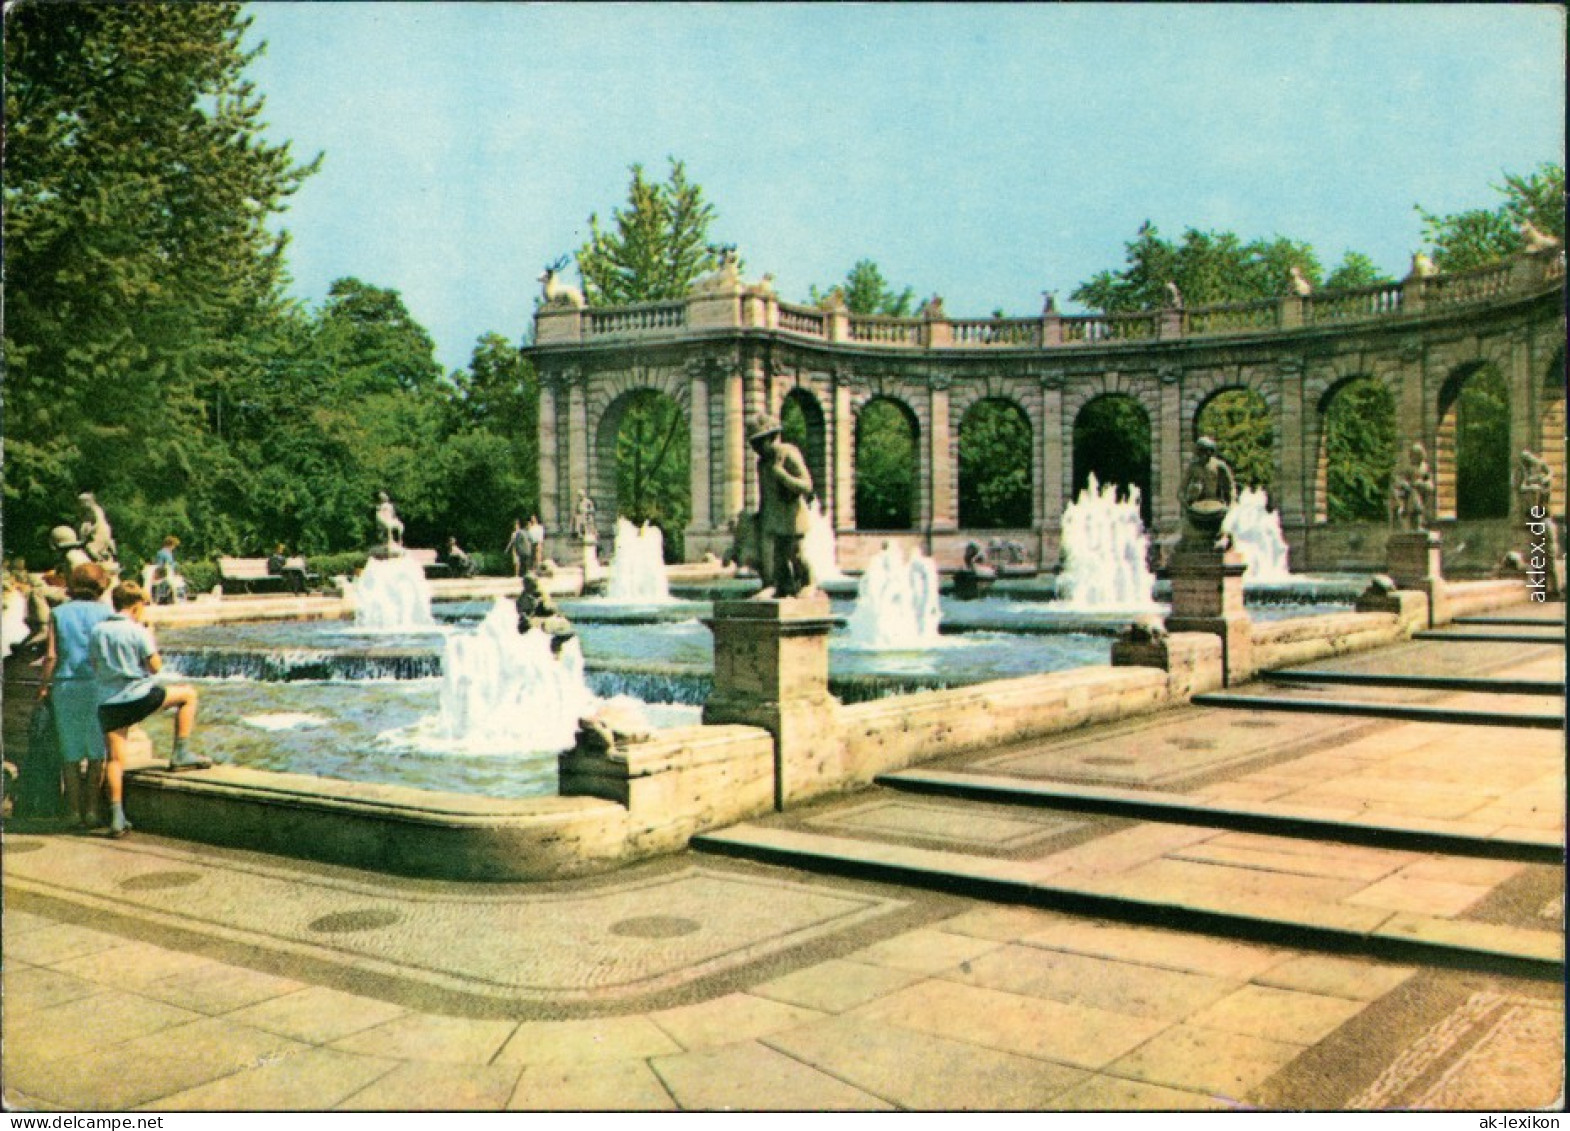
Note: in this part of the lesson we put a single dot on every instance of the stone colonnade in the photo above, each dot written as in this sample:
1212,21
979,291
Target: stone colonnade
731,349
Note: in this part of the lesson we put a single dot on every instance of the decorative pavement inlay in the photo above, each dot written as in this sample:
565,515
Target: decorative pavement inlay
505,942
1159,752
947,824
1497,1051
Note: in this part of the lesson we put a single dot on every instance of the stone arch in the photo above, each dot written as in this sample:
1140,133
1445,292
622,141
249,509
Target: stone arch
1472,458
1371,399
644,477
996,465
888,463
1551,427
1246,425
1113,438
806,426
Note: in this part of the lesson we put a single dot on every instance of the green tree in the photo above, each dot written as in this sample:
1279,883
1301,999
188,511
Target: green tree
1355,270
657,246
1483,473
652,466
138,190
490,453
1360,451
1462,241
1238,420
865,291
995,489
1208,267
1112,441
887,483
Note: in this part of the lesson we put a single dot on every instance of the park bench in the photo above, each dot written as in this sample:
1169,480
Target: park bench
249,575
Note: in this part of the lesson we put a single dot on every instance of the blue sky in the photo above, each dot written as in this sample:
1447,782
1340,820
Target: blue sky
982,152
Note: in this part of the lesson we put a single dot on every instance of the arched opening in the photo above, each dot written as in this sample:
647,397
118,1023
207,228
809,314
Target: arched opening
1239,421
995,466
1358,448
888,472
1473,464
1553,429
1112,440
801,423
644,458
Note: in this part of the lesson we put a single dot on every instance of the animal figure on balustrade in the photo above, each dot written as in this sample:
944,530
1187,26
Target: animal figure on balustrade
554,291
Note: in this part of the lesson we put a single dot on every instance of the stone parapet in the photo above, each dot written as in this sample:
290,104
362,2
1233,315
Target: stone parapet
1297,640
1192,661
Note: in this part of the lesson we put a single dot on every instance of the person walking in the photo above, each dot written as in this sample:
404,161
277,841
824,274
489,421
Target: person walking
126,664
536,532
518,547
66,679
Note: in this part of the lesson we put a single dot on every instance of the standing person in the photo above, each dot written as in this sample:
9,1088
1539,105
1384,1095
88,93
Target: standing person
536,543
458,559
67,679
126,664
166,574
518,547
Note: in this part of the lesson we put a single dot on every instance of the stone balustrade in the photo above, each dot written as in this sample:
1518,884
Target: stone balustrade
1525,274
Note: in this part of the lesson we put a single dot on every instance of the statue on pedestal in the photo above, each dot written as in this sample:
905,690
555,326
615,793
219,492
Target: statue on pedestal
1535,482
583,519
1411,492
94,533
389,526
1209,488
784,486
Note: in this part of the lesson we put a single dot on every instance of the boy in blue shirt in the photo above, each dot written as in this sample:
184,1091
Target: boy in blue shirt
126,663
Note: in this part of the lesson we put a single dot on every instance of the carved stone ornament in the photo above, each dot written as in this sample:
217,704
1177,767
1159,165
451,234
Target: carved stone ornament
1169,374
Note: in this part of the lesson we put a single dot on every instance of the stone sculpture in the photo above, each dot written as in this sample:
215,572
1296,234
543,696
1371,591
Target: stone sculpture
1411,492
389,526
94,533
784,486
583,519
1209,489
554,292
1535,482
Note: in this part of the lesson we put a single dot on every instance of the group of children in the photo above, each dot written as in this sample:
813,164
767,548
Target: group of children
101,673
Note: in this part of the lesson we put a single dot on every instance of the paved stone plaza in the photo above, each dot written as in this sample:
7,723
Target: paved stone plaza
1219,906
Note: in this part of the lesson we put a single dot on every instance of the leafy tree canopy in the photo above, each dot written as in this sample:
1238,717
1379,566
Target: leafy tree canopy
657,245
865,291
1208,267
1477,237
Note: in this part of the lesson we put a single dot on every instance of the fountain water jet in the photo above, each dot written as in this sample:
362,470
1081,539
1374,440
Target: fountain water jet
1105,553
638,575
818,549
392,595
1256,534
896,603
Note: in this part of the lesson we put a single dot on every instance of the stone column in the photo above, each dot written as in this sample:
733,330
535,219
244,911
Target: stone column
733,447
1207,596
550,504
578,444
1523,423
1291,448
1167,454
844,458
940,457
699,466
1049,505
771,670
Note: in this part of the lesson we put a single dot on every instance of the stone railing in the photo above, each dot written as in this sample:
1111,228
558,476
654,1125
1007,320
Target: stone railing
1232,318
605,321
885,331
808,321
1481,285
758,308
1356,303
997,332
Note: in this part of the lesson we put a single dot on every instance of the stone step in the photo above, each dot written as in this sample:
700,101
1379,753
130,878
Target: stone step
1405,712
1412,835
1448,634
1420,682
1339,927
1515,622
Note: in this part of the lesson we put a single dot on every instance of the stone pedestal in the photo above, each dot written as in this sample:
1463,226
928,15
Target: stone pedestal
1207,596
1192,660
1412,559
771,670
